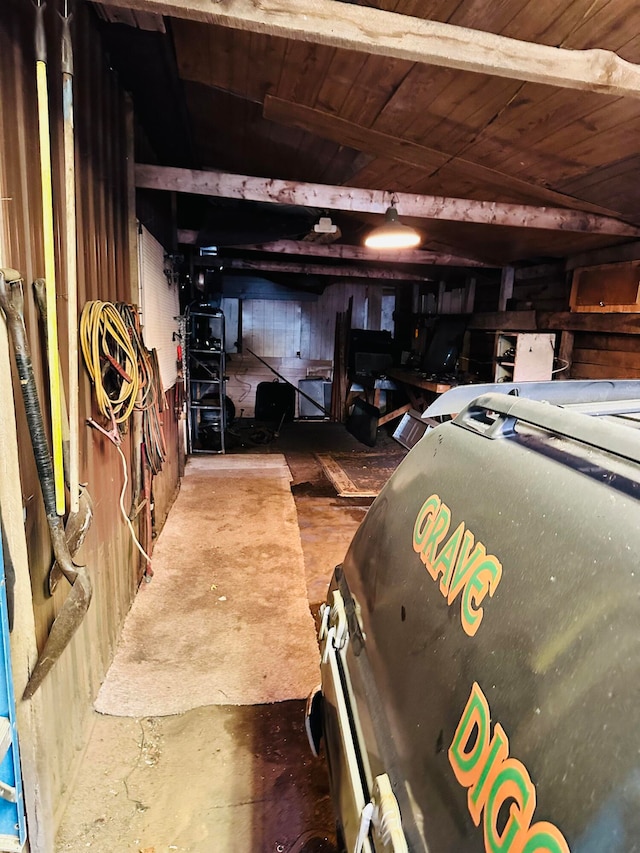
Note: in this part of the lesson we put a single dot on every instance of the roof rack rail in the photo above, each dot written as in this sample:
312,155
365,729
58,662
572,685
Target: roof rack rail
607,436
565,392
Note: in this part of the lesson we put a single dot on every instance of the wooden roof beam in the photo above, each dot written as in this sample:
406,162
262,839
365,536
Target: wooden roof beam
361,253
377,32
346,252
326,197
302,268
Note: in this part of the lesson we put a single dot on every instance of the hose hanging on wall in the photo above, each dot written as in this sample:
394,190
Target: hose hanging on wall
152,400
106,344
112,363
126,376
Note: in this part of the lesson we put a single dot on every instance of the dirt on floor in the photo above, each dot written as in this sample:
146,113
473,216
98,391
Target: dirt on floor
213,779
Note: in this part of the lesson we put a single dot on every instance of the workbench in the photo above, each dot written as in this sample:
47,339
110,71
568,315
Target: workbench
419,390
415,385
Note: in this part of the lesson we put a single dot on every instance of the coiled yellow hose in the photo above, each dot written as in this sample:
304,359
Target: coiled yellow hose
106,343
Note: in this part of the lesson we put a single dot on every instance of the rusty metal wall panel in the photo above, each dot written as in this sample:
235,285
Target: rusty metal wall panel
104,272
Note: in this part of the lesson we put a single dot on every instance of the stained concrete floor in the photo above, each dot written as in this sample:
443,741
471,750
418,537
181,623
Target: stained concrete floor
224,779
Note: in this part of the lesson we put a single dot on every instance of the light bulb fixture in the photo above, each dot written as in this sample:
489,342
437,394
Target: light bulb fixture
392,234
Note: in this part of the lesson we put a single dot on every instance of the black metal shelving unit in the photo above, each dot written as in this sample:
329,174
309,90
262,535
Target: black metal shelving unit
206,382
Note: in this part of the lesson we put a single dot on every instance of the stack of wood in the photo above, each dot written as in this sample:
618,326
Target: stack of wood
340,386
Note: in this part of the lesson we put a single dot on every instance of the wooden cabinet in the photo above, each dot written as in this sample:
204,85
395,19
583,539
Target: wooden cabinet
606,288
524,356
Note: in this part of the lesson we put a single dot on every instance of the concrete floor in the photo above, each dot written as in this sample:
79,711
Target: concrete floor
224,779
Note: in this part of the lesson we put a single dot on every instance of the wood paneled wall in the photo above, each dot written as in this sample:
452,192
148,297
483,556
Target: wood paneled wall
103,151
598,356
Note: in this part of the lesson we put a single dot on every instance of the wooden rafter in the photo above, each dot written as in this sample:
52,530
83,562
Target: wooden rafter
332,127
374,31
302,268
323,196
348,253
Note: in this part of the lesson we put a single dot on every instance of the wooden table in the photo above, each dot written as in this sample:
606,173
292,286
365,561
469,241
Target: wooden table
414,385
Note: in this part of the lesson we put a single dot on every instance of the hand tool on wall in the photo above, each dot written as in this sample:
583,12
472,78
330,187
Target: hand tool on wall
77,603
72,471
79,521
49,254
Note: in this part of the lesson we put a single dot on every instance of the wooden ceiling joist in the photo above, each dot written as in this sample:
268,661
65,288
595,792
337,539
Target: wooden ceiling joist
347,253
382,33
383,145
325,197
302,268
359,253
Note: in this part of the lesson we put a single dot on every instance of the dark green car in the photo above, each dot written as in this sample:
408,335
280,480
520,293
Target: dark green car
481,641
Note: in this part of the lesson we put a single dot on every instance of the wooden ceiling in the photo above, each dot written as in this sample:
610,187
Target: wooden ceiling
269,106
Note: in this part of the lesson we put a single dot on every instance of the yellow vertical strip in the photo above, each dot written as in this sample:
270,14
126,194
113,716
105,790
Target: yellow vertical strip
50,277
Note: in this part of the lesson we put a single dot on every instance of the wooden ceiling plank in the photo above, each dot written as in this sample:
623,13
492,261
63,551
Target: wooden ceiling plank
372,87
421,85
387,174
597,180
519,139
477,15
537,113
568,152
386,146
205,55
462,110
618,138
323,196
548,22
343,25
303,71
338,80
609,21
356,253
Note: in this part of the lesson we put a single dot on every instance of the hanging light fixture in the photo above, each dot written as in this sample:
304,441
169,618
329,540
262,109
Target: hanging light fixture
392,234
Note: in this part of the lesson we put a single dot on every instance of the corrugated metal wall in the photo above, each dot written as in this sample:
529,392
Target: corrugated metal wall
103,160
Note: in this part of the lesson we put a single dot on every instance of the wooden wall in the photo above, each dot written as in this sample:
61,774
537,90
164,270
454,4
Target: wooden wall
594,344
601,356
103,158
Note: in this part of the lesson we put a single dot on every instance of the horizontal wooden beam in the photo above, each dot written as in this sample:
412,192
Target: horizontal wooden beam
383,145
506,321
540,271
347,252
598,257
374,31
333,270
360,253
570,321
323,196
555,321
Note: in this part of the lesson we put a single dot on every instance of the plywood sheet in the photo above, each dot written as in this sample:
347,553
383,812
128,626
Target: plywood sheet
359,475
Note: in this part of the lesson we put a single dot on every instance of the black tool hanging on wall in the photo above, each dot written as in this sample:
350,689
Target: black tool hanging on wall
77,603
